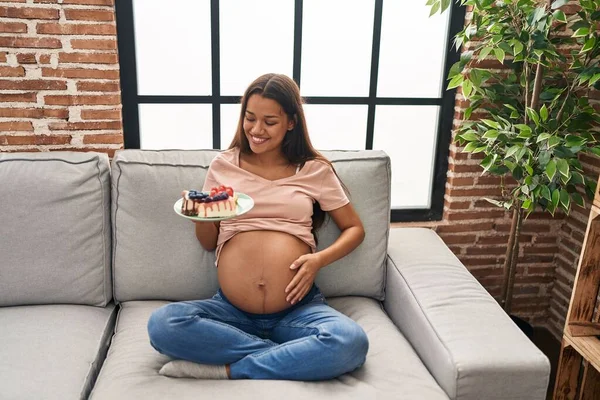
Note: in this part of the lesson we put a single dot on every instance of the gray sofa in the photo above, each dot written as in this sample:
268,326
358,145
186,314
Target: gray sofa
89,249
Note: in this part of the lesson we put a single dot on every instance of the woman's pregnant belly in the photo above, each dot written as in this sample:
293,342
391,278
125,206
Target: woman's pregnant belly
254,269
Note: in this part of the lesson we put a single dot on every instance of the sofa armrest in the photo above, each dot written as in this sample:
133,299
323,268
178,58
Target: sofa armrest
466,340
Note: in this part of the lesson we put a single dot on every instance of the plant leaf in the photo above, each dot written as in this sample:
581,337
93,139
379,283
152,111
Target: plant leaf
581,32
511,151
500,54
484,52
563,167
560,16
559,3
456,81
578,199
467,88
491,134
589,44
543,136
555,197
565,200
553,141
546,193
544,113
551,169
445,4
533,116
491,124
594,79
435,8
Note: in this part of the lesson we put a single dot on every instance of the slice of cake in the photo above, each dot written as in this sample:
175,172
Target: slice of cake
220,202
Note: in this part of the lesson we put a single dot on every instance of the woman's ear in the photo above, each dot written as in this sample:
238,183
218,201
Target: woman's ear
292,122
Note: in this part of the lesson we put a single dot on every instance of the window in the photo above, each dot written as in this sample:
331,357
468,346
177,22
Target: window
372,73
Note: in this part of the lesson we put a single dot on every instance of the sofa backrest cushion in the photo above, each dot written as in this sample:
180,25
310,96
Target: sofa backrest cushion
157,256
55,242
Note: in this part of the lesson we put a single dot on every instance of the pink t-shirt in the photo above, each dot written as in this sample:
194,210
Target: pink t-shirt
281,205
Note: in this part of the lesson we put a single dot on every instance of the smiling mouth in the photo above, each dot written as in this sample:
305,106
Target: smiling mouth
257,140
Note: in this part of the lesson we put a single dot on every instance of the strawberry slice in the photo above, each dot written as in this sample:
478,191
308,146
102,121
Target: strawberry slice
229,191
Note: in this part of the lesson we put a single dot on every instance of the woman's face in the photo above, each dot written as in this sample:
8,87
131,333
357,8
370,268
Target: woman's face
265,124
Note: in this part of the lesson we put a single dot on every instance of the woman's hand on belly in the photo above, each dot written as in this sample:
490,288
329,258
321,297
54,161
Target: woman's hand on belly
307,265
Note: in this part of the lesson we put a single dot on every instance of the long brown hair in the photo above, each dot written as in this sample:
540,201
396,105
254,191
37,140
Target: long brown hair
296,146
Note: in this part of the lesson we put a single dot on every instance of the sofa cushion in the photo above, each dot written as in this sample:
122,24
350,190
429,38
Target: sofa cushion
392,369
157,256
52,351
55,228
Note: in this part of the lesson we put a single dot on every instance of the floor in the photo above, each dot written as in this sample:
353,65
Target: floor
544,340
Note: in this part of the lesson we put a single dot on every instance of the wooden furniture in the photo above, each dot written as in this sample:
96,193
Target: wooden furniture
577,377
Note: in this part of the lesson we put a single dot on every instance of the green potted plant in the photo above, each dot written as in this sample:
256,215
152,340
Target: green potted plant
531,118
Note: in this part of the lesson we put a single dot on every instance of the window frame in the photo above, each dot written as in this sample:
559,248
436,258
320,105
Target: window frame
131,100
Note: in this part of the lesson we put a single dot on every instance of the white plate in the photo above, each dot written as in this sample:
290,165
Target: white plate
244,204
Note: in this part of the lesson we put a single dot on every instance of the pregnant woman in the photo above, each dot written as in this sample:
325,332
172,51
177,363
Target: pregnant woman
268,319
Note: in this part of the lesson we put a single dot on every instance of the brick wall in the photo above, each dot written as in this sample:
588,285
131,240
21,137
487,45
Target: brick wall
59,76
59,89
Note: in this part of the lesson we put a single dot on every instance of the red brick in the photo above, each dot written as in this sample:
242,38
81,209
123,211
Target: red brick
89,58
494,191
540,270
33,84
526,228
26,58
35,139
45,59
29,13
456,181
103,139
571,9
98,87
80,73
101,114
469,215
76,29
486,250
458,239
89,15
458,205
13,27
83,2
472,261
16,126
503,239
33,113
2,57
82,100
28,42
545,239
18,97
101,44
465,168
77,126
530,259
12,71
469,227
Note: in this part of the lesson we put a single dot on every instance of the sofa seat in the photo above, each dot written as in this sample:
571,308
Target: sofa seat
392,370
52,351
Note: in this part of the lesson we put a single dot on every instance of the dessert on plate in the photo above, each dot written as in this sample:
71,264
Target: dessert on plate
220,202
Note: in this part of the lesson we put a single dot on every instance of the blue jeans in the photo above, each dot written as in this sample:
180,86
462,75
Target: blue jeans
308,341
